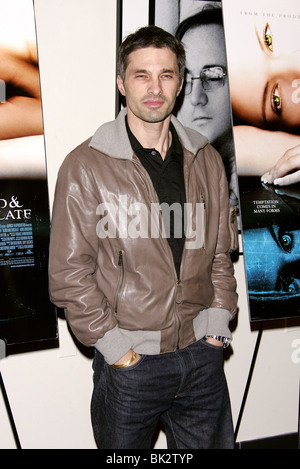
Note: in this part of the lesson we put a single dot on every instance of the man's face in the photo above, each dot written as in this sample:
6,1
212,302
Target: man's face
208,112
151,84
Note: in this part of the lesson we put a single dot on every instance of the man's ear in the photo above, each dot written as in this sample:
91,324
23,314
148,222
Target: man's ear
180,87
121,86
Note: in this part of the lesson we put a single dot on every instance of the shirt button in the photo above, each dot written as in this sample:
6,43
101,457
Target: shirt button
153,152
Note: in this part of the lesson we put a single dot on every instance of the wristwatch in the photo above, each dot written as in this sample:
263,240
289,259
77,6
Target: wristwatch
225,341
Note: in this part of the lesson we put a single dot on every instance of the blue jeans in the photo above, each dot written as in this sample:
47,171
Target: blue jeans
186,390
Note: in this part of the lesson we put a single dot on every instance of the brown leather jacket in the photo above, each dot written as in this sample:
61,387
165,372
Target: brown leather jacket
111,267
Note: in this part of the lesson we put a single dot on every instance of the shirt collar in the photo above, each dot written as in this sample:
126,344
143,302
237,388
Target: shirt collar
175,148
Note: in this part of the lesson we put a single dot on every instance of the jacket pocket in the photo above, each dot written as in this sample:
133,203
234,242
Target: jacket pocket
119,283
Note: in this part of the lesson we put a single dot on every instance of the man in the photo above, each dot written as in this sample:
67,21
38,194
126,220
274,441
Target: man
145,300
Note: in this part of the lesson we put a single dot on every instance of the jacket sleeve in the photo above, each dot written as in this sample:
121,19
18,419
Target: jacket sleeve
224,305
73,262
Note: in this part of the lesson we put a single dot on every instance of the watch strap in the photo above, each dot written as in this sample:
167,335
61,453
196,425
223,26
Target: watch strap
225,341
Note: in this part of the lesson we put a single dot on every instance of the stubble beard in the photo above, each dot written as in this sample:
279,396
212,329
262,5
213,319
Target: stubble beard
153,116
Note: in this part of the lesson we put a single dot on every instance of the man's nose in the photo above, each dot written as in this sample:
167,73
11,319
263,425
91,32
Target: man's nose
155,86
198,95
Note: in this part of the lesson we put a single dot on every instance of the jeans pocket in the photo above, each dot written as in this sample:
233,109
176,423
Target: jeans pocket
130,367
212,346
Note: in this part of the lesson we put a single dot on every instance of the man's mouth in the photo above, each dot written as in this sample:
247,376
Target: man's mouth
154,103
201,120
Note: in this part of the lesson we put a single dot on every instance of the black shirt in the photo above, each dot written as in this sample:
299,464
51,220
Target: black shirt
168,181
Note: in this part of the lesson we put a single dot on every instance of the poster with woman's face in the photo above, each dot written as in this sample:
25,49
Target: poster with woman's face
21,120
263,55
26,314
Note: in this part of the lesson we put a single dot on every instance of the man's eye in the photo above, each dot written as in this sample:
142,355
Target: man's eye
294,285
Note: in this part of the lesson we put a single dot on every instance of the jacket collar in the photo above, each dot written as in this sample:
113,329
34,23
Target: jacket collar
112,139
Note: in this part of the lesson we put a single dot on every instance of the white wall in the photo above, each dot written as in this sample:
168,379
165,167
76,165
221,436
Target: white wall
49,391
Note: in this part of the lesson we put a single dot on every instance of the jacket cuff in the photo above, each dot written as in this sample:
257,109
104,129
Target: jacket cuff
218,322
113,345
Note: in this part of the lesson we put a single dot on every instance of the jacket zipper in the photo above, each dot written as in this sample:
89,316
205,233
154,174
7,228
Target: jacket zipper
120,281
153,198
203,220
178,294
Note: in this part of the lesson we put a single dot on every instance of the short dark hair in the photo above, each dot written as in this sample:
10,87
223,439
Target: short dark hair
211,15
150,36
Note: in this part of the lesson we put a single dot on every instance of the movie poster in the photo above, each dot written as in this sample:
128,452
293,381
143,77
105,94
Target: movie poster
26,314
263,55
204,103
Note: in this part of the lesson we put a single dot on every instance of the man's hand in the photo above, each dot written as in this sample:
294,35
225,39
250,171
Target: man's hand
126,360
213,341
